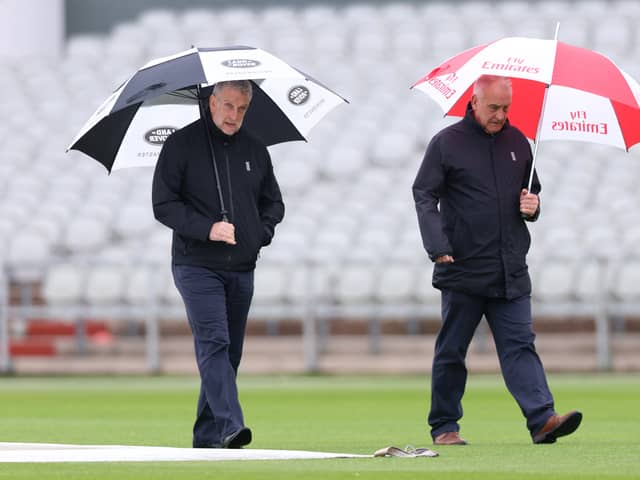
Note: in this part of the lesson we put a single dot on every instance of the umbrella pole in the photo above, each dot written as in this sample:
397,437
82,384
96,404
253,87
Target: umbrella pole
537,142
544,104
533,165
223,210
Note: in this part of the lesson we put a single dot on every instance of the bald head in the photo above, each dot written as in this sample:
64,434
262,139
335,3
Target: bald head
485,81
491,101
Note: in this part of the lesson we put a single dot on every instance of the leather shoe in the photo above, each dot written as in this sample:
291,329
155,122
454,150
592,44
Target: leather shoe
558,426
237,439
449,438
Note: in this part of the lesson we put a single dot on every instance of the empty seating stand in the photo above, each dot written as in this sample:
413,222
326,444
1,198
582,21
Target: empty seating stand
77,242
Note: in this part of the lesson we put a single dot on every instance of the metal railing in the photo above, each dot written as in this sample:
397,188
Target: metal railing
311,306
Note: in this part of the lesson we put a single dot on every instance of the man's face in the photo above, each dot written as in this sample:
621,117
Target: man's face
491,105
228,108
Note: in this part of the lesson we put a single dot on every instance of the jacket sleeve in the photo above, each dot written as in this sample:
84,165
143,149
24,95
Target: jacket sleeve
427,190
169,205
270,205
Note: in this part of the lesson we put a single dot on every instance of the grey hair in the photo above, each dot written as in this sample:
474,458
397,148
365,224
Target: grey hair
244,86
485,80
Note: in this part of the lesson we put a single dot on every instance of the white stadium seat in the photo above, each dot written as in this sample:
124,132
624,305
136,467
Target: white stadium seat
347,190
64,284
106,284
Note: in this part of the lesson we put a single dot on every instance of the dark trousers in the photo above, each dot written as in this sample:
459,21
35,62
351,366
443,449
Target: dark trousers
511,326
217,305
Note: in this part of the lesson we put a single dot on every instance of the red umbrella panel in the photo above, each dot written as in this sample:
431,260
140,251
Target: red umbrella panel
560,92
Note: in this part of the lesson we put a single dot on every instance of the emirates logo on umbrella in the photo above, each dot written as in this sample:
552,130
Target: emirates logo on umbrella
299,95
579,123
158,135
241,63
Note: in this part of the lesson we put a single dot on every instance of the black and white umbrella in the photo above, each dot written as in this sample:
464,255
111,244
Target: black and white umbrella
129,128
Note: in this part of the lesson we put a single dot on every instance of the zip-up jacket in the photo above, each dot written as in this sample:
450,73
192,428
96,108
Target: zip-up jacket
185,197
467,196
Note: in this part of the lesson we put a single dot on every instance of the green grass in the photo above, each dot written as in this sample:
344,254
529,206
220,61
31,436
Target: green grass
339,414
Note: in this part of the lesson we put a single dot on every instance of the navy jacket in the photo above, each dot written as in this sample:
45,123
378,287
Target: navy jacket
186,200
475,179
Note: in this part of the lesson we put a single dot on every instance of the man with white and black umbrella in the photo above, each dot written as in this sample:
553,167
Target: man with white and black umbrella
203,169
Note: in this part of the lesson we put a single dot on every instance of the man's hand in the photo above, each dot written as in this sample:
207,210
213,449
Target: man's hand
444,259
528,203
223,232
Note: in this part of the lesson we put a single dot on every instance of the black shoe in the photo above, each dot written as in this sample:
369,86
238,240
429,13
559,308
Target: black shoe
237,439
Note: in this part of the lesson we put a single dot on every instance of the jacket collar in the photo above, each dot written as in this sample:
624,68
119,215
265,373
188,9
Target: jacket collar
470,120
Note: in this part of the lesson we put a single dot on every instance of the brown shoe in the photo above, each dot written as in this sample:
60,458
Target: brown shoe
449,438
558,426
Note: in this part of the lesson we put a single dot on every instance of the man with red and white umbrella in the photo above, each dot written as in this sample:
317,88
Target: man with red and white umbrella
478,185
472,199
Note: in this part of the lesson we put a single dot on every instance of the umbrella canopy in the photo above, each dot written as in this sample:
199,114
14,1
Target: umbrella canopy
560,92
129,128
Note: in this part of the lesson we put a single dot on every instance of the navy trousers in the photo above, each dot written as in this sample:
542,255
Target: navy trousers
217,305
511,326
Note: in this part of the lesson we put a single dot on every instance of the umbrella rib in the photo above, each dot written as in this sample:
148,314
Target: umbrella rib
179,94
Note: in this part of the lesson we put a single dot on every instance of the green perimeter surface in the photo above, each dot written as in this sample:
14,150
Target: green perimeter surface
334,414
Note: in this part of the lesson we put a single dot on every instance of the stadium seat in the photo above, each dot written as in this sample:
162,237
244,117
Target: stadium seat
106,285
142,286
27,256
355,287
348,189
169,295
311,283
626,286
423,290
270,284
64,284
554,281
84,236
395,284
593,280
134,221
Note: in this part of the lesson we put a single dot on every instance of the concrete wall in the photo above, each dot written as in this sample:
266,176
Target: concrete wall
87,16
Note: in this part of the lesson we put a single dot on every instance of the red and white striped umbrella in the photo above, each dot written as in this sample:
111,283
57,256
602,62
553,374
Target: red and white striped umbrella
560,92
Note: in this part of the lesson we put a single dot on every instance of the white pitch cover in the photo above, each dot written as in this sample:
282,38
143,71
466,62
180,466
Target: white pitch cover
303,101
47,452
575,115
